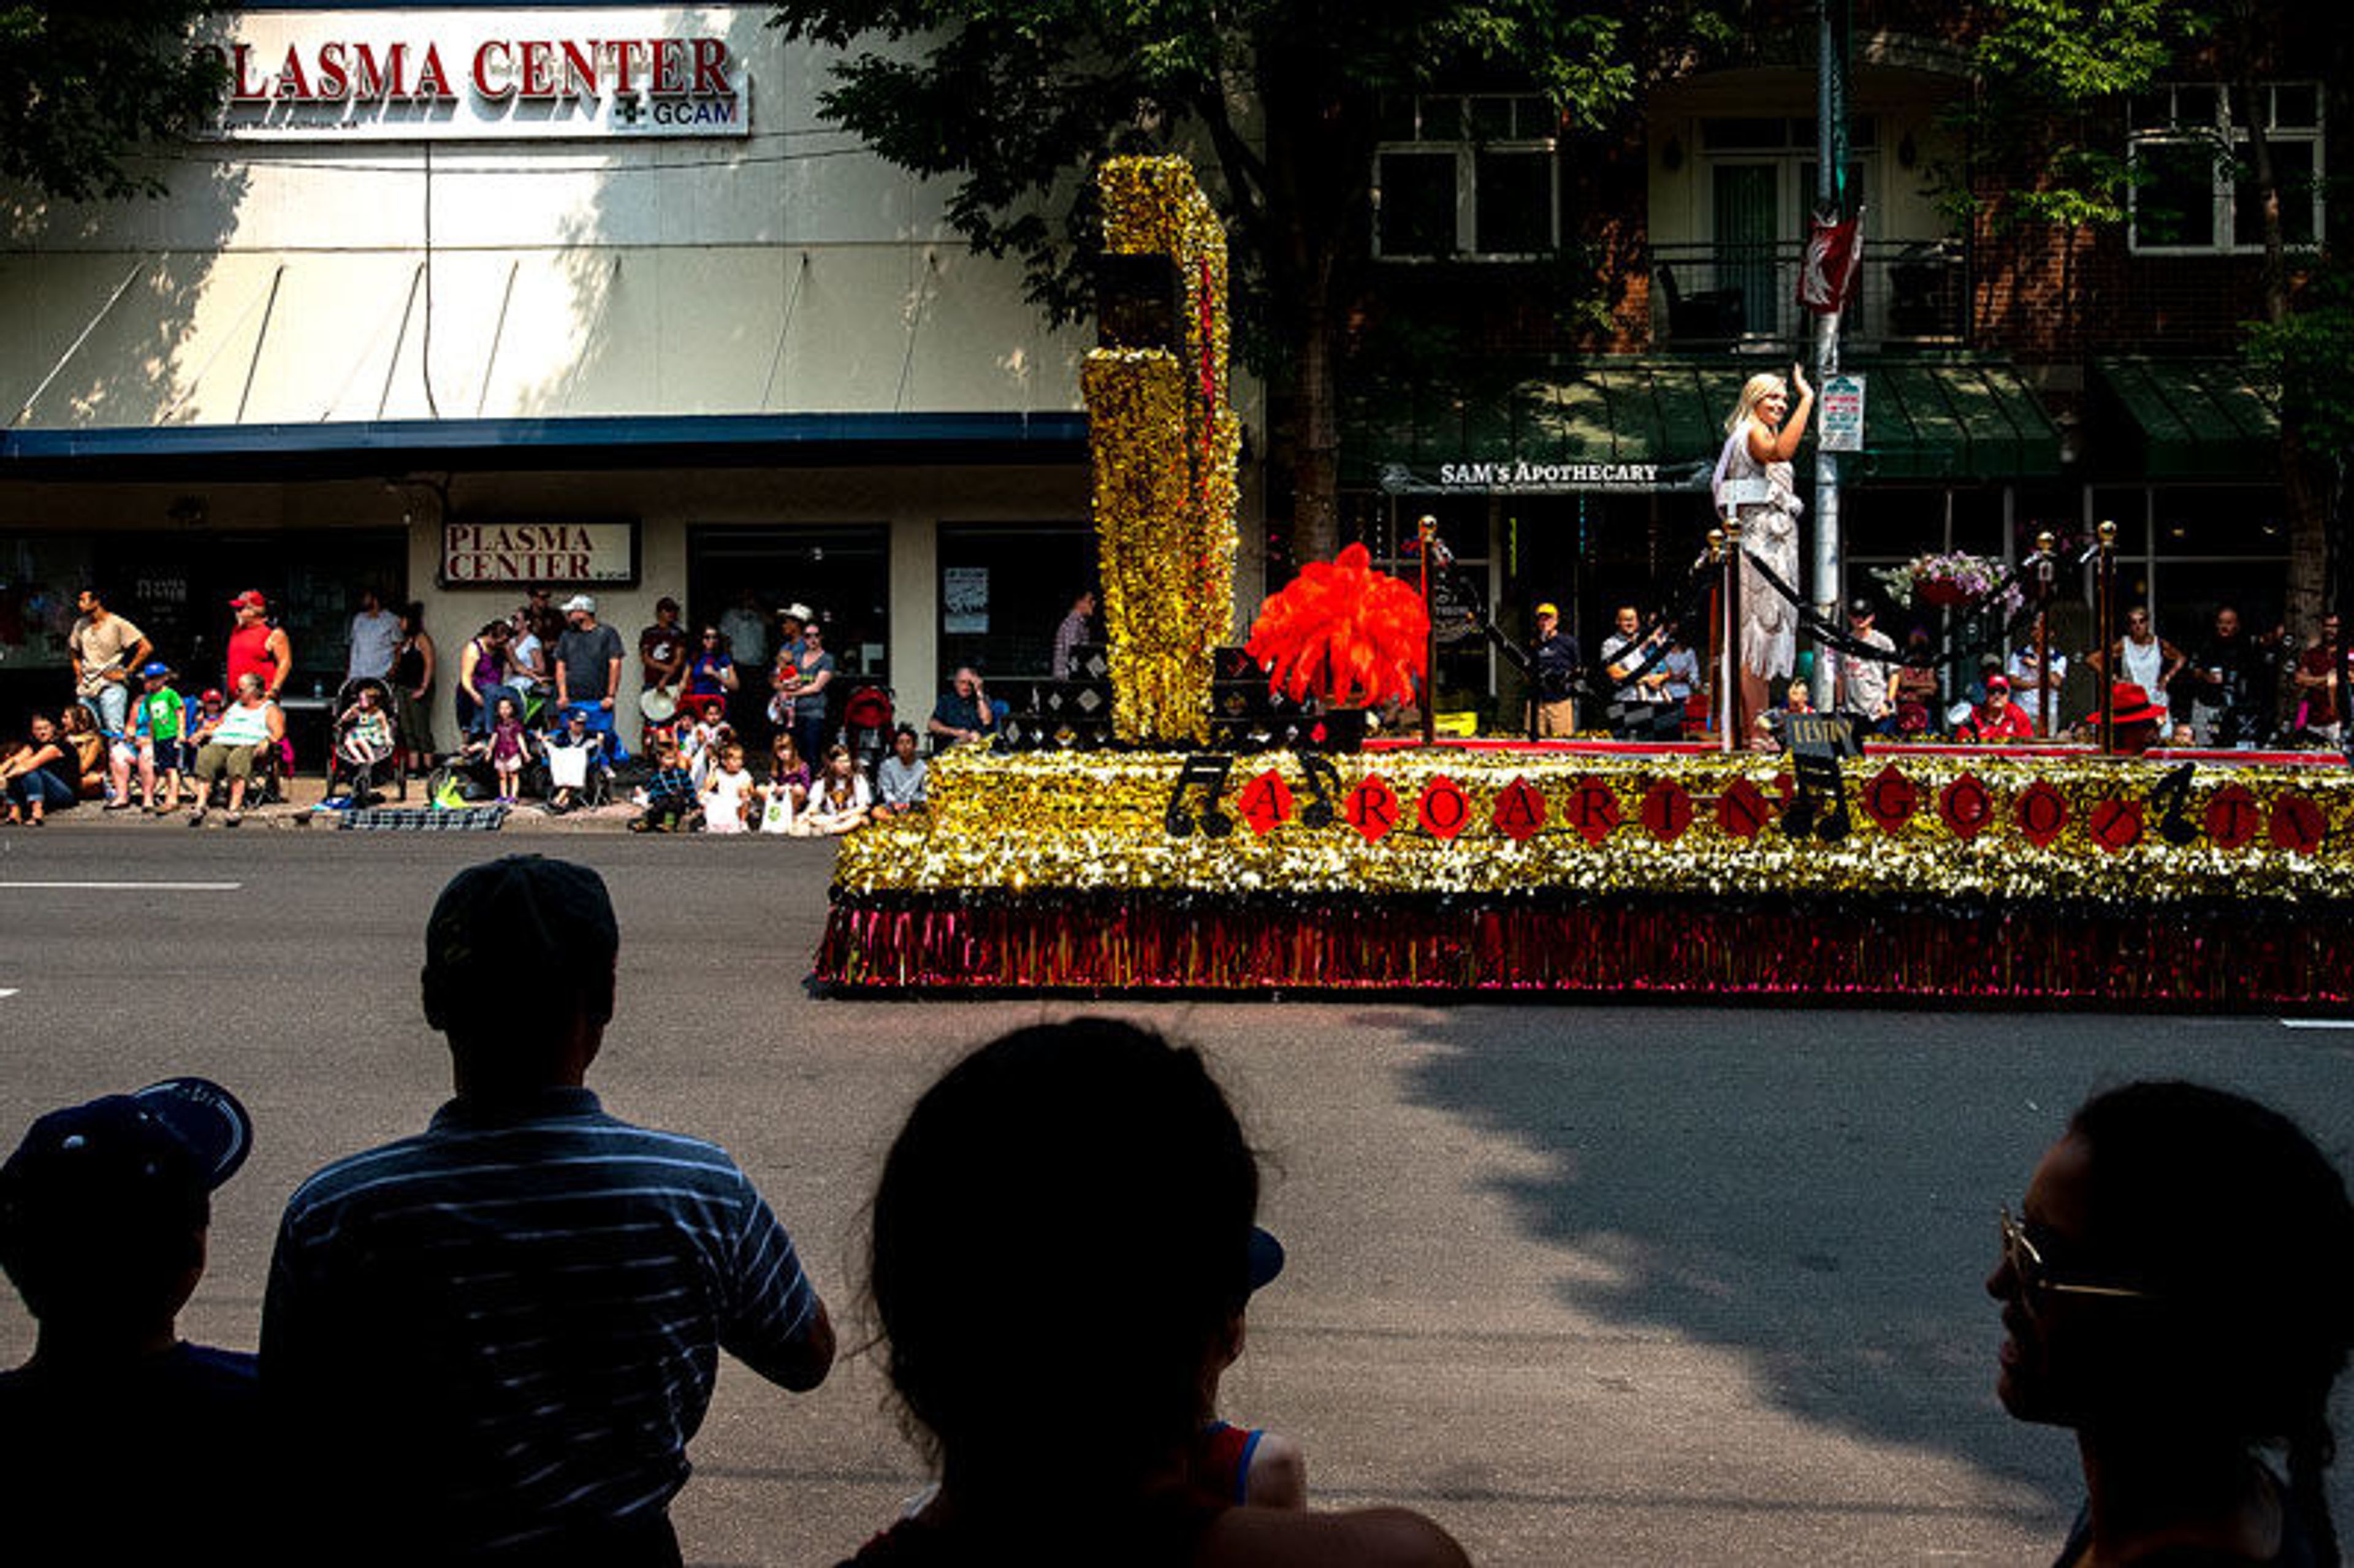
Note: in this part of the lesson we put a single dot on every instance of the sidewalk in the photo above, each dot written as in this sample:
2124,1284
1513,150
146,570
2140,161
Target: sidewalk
301,810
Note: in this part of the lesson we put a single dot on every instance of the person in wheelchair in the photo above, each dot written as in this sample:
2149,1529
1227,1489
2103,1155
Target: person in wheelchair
362,746
577,771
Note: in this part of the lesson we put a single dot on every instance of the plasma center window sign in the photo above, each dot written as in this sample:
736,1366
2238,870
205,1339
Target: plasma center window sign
483,76
504,554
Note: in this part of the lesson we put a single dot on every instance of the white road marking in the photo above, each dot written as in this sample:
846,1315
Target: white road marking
2318,1022
4,995
127,886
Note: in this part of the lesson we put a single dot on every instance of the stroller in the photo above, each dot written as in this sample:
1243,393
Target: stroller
361,749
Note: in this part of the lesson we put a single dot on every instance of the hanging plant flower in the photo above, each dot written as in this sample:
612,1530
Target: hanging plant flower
1952,579
1352,636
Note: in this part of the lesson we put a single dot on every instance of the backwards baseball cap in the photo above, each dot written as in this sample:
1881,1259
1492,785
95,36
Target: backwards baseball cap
1265,1257
520,921
250,600
124,1157
1549,610
580,602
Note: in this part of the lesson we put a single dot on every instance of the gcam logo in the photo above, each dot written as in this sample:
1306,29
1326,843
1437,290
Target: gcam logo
628,108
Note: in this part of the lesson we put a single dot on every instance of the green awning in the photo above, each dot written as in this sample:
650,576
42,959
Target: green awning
1644,424
2184,418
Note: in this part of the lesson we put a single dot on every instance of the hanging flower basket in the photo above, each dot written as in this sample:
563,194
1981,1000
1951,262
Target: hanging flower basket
1951,581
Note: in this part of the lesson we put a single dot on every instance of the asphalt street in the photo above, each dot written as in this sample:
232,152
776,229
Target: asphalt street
1588,1283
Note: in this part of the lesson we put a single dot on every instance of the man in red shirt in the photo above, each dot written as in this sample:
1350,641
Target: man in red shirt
257,648
1997,718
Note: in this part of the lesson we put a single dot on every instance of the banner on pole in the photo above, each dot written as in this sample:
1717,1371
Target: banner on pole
1842,414
1834,260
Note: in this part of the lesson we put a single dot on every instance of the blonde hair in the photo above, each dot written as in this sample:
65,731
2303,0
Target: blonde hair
1753,392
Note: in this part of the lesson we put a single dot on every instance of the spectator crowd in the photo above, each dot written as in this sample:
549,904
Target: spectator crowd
491,1340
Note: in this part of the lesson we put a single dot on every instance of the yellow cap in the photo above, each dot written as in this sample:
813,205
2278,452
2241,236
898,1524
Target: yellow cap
1548,609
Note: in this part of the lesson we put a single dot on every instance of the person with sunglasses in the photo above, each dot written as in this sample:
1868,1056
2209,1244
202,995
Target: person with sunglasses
2149,661
2178,1289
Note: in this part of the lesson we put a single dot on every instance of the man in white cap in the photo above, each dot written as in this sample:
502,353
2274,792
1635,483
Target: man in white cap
587,664
491,1341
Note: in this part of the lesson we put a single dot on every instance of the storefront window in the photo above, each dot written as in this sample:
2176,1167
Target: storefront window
40,575
1004,588
843,572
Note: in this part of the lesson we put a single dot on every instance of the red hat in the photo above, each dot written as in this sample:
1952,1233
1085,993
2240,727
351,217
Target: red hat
1998,682
212,696
250,600
2131,704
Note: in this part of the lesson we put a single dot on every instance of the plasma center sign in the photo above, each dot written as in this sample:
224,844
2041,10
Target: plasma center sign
413,76
514,554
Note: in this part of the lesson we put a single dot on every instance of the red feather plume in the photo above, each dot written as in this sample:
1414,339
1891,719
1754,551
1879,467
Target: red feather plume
1353,635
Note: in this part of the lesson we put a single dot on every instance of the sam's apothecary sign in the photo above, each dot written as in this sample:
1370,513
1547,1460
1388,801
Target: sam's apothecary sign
494,554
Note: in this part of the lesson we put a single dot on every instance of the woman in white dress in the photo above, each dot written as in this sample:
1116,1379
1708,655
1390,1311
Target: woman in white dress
1754,483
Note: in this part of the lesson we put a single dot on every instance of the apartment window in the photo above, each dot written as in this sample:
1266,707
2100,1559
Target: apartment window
2195,191
1467,175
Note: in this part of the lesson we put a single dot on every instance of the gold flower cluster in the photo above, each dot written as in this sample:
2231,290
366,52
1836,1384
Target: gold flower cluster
1100,821
1165,443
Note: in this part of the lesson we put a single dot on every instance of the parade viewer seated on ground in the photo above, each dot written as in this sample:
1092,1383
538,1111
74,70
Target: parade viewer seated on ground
119,1441
43,775
2178,1289
1103,1170
901,779
229,743
494,1339
964,710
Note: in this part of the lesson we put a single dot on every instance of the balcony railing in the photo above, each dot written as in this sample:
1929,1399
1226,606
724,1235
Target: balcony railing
1745,296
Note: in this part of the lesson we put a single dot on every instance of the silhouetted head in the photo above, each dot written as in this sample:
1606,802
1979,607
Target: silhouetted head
519,956
2182,1267
1064,1227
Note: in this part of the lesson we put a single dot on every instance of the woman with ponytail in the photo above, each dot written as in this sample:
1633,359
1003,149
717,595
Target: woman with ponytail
2177,1289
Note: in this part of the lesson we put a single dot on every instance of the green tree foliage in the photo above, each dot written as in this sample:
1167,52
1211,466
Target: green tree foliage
82,82
1014,101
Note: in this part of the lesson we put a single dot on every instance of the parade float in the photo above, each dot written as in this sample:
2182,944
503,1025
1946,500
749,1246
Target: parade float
1180,860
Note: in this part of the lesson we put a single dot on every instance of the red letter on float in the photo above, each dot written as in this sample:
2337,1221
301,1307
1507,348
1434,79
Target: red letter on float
1264,802
504,87
2298,825
1965,806
710,68
1667,810
1371,807
1889,799
2042,811
1593,809
433,80
1741,810
1443,808
2233,816
1519,811
2115,826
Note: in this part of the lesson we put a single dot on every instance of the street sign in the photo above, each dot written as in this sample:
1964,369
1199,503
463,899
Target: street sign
1842,417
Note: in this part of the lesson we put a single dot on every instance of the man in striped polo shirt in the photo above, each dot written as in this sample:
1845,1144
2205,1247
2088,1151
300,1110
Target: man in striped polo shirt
491,1341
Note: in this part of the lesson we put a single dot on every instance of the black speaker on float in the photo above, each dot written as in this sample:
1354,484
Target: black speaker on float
1090,662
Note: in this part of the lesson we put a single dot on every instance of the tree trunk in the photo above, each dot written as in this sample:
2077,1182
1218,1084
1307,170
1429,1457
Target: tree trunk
1316,439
